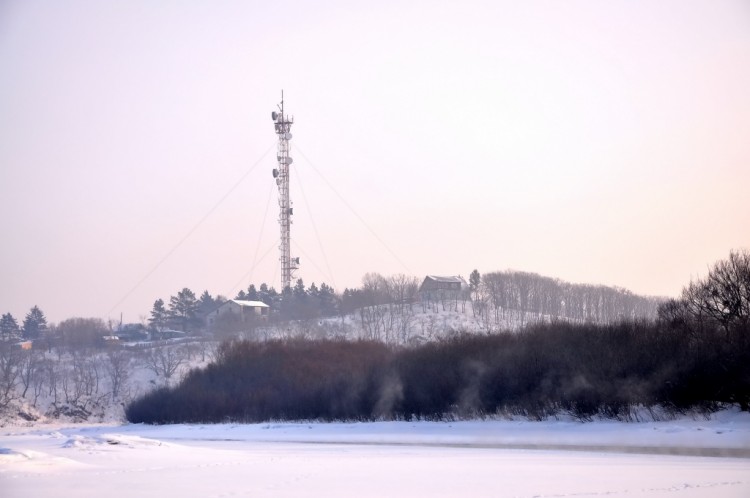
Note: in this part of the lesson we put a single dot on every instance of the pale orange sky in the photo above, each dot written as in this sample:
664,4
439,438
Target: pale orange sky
599,142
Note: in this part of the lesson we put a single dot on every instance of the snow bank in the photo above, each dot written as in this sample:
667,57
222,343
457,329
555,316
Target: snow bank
466,458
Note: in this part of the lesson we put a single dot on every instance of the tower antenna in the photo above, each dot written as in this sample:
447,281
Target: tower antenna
283,126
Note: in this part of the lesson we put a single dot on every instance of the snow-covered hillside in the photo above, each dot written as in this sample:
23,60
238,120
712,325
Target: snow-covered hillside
92,385
407,324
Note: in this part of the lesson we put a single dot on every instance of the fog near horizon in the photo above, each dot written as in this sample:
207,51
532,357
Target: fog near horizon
599,142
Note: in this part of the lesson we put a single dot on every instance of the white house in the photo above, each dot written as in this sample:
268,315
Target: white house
246,310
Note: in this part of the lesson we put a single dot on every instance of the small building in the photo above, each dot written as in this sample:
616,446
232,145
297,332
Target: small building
247,311
435,289
434,283
24,345
132,332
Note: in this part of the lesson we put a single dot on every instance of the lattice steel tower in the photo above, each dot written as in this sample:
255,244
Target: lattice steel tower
283,126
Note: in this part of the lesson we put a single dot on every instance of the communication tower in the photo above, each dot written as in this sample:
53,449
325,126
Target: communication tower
283,125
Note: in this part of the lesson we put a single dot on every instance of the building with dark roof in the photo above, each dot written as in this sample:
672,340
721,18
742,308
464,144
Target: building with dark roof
435,289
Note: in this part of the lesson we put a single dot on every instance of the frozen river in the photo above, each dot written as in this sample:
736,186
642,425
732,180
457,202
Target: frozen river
425,459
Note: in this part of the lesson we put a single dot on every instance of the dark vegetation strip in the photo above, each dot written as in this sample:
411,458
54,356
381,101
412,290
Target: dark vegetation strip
586,370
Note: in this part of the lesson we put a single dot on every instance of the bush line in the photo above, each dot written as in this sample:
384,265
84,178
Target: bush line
586,370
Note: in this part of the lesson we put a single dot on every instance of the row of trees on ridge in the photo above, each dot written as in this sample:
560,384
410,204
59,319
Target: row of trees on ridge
695,355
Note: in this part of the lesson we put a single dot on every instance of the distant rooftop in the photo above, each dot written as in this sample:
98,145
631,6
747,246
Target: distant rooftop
446,279
254,304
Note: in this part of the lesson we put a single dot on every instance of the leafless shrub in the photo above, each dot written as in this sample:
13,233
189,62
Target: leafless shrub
165,360
10,369
118,367
31,363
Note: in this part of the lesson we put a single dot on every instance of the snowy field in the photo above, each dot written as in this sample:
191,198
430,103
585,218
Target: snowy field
683,458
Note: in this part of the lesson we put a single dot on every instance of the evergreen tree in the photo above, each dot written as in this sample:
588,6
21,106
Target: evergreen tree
269,296
252,294
35,324
183,309
474,280
9,329
351,299
159,315
273,293
206,303
313,291
299,289
328,301
264,295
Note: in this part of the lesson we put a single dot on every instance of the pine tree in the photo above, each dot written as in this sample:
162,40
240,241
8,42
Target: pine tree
269,296
252,294
35,324
299,289
313,291
9,329
263,294
474,280
206,303
159,315
183,308
328,300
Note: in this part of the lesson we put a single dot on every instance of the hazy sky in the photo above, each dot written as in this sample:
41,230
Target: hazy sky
594,141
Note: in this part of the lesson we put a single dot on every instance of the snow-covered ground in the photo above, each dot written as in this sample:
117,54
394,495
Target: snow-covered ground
683,458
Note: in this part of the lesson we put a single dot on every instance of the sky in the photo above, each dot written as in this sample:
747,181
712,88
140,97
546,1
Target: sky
595,142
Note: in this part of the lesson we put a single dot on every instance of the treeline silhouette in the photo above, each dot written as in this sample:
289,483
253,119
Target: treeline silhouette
695,356
513,291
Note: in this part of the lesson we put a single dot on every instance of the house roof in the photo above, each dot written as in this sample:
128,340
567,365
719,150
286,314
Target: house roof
446,279
254,304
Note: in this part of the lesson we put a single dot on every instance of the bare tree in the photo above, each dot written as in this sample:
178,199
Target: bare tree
31,363
164,361
118,368
374,295
10,369
206,348
724,295
52,372
495,289
82,333
80,381
39,380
